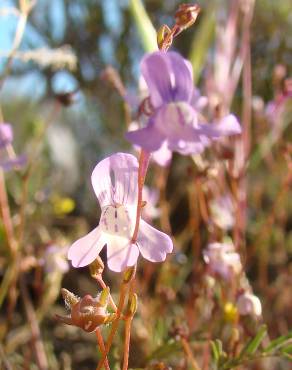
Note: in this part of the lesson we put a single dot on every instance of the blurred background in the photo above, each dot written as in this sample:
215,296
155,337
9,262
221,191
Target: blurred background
65,49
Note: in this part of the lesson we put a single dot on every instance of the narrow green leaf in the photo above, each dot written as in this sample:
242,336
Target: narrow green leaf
278,343
165,351
144,25
202,40
254,343
215,351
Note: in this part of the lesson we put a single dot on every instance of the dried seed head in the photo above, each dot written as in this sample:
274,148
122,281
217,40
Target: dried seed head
87,313
69,298
186,15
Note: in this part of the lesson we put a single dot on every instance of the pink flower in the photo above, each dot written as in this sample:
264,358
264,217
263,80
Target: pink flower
114,181
249,304
222,259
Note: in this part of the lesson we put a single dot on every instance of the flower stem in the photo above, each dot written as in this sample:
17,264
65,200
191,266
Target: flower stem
189,353
102,347
115,325
143,165
128,323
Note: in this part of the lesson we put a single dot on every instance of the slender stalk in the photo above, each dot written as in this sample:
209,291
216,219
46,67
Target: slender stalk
143,165
189,353
6,216
102,347
37,342
115,325
128,323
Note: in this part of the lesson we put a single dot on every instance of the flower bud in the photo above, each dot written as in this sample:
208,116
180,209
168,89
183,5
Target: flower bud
129,274
96,267
186,15
132,305
162,35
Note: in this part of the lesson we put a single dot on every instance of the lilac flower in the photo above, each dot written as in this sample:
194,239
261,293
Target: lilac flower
175,121
222,260
114,181
249,304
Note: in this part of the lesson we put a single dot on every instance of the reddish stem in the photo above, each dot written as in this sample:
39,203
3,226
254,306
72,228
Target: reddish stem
102,347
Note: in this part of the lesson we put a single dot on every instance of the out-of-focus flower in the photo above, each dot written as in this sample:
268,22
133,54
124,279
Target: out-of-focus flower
174,120
222,212
115,182
87,313
249,304
150,196
6,134
8,159
230,312
63,206
55,259
222,260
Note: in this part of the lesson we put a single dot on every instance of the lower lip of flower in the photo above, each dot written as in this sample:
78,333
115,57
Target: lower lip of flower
118,220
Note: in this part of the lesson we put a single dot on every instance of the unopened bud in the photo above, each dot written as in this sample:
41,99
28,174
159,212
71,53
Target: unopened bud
129,274
163,34
132,305
103,298
186,15
96,267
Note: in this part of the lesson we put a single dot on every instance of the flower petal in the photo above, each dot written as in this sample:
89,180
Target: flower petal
162,156
228,126
183,77
121,253
155,70
149,138
114,180
168,77
85,250
153,244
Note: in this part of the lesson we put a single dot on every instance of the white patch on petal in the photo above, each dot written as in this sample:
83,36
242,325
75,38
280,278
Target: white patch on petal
118,220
